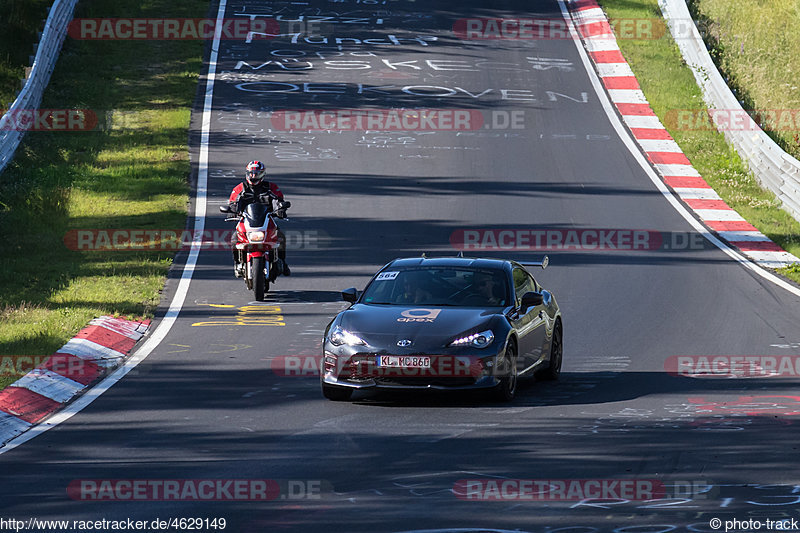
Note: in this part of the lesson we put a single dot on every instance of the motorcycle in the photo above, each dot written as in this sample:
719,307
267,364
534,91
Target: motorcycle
257,243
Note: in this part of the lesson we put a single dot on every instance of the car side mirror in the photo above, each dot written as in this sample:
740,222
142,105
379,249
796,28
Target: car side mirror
224,209
531,299
350,295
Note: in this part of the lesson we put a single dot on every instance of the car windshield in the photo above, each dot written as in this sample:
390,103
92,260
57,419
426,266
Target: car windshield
438,286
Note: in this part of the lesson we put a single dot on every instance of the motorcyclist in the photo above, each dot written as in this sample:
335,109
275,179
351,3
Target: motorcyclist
257,189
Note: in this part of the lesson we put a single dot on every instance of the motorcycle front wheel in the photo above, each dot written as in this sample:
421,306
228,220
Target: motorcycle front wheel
260,283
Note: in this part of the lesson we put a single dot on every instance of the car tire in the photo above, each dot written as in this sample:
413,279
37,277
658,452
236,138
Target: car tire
506,390
336,394
553,370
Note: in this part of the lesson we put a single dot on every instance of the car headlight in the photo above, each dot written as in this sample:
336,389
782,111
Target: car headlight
478,340
341,336
256,236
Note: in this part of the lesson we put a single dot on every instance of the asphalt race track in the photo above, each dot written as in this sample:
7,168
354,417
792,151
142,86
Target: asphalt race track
210,402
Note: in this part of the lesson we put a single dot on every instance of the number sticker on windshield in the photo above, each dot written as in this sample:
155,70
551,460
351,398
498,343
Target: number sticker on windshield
383,276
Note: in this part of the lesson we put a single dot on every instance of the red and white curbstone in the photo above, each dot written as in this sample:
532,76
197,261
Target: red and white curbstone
88,356
660,148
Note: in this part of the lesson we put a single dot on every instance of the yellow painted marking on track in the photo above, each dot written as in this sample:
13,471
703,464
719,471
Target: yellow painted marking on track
250,315
230,347
186,346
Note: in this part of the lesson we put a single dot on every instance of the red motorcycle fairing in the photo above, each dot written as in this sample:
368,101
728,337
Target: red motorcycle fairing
256,249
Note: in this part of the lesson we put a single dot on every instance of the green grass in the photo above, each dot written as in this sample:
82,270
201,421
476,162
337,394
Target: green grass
132,174
669,85
20,21
757,46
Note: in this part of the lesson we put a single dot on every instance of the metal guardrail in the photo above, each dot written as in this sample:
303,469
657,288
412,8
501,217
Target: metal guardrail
772,166
29,98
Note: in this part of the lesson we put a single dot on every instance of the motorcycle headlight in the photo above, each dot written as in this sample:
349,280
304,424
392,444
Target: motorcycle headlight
341,336
256,236
478,340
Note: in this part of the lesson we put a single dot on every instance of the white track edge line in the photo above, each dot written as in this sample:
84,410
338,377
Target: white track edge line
626,138
178,299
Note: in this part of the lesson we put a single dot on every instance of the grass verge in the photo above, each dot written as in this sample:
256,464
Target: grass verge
130,174
757,46
669,85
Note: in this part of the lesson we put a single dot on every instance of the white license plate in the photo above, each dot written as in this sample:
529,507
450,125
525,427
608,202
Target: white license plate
404,361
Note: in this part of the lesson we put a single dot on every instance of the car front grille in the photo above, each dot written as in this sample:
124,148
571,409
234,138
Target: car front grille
445,371
425,382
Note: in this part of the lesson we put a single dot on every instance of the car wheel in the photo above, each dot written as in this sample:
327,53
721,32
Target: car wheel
553,369
507,388
336,394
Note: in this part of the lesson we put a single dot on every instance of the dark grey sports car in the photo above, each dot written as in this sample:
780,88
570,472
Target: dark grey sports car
444,323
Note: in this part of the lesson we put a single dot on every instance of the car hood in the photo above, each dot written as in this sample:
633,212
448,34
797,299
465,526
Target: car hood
383,326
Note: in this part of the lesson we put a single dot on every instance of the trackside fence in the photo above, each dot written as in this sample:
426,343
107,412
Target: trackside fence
30,97
772,166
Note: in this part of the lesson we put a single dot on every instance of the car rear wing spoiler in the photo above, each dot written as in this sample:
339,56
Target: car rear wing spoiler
543,263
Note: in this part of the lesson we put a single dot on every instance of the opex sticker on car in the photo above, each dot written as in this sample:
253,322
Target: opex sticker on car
419,315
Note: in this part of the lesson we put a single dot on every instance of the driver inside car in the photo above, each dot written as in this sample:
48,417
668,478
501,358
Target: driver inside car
411,289
485,290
